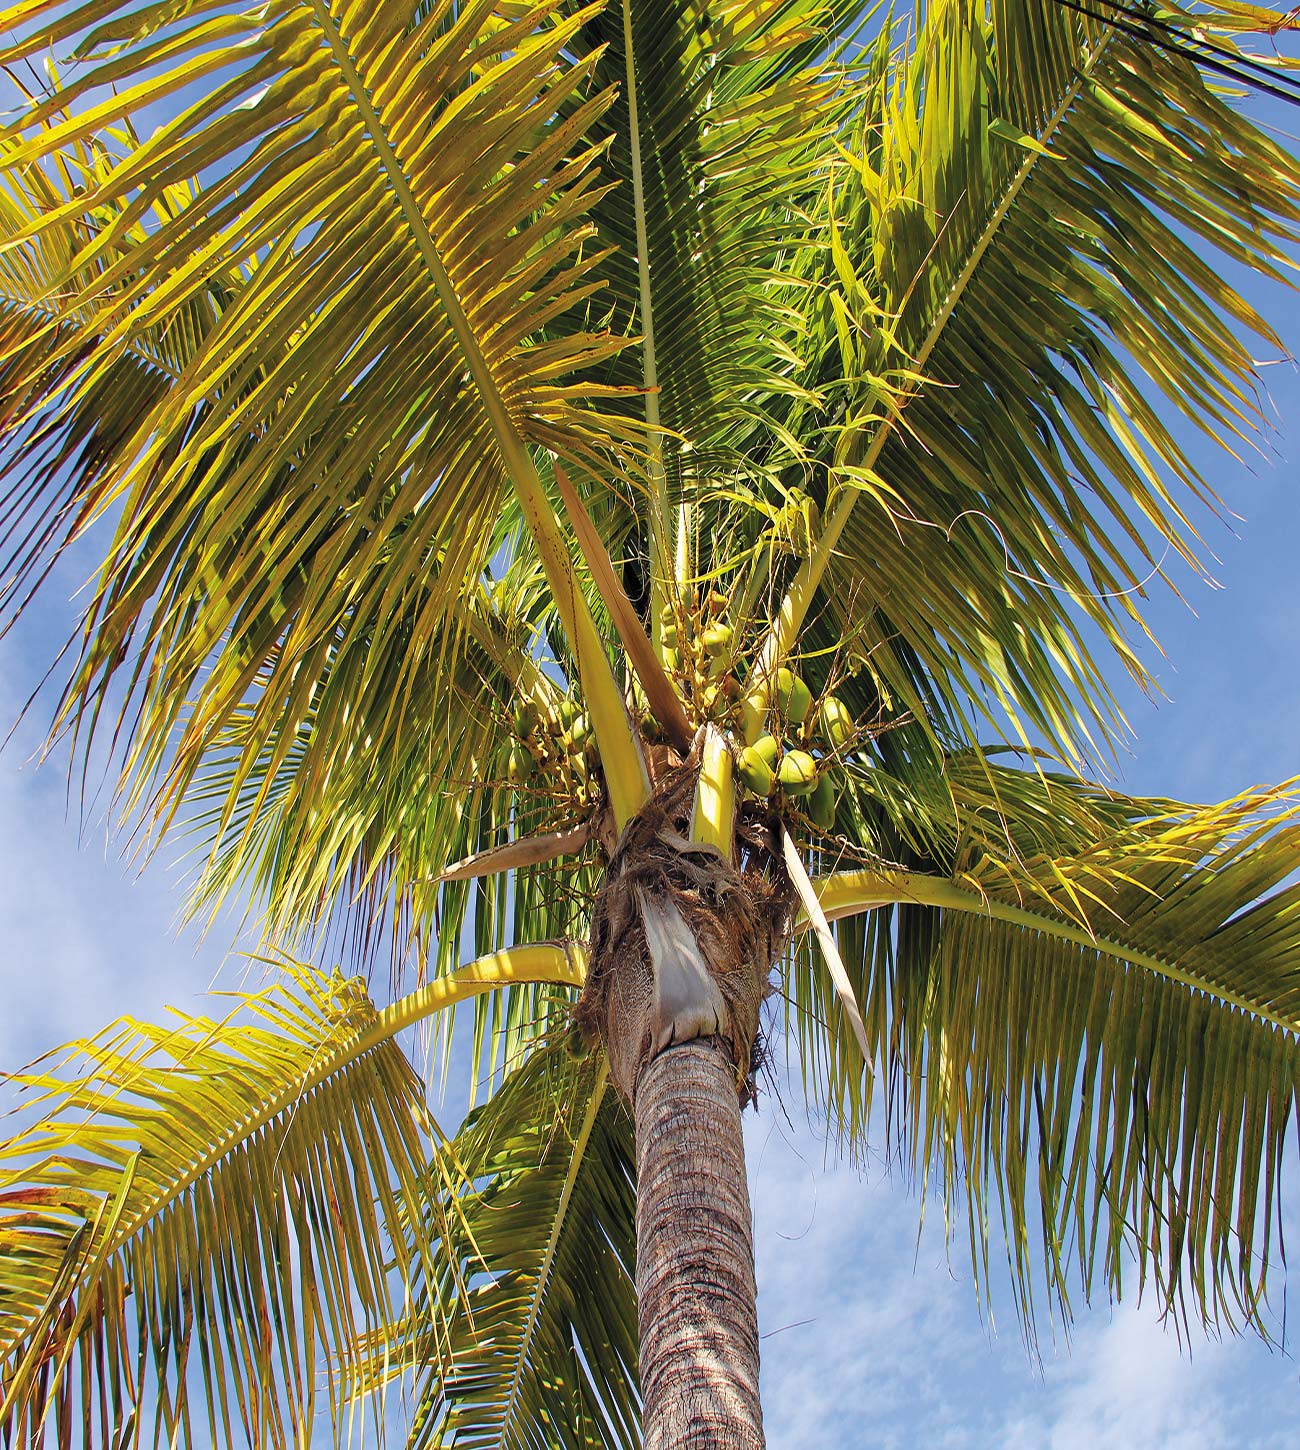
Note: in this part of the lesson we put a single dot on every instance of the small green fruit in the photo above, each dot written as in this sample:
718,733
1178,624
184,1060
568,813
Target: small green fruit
753,718
519,766
579,731
792,698
754,771
836,721
568,711
672,659
526,717
717,638
716,603
767,748
798,773
821,804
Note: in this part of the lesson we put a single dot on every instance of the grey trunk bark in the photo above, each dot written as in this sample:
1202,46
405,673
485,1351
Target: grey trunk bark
695,1255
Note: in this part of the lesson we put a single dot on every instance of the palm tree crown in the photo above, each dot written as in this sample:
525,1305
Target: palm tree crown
574,475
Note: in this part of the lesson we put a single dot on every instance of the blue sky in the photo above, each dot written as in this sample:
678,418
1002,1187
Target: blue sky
874,1337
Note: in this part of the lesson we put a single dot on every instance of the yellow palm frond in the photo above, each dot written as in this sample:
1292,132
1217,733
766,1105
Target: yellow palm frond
219,1202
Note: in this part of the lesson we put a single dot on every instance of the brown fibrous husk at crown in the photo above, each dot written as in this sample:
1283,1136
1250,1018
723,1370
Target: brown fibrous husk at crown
739,916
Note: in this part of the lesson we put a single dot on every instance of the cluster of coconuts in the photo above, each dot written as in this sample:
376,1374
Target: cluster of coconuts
768,763
703,659
560,744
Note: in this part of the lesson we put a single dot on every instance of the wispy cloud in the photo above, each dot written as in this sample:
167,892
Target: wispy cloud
874,1338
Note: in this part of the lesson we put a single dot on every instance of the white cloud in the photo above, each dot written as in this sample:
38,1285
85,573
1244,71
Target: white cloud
84,936
895,1354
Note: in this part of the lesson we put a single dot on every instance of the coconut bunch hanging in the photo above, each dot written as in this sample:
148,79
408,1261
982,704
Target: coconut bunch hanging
699,645
792,748
554,750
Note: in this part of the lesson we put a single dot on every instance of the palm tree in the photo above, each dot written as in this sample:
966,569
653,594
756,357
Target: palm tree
580,484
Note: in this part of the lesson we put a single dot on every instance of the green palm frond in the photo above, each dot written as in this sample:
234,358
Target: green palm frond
537,1286
1015,267
714,83
61,426
326,475
1100,1046
723,120
220,1203
320,834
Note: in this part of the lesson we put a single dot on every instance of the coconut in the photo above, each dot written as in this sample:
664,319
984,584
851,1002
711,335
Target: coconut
836,722
519,765
717,638
792,698
797,773
768,748
753,718
526,717
821,803
754,771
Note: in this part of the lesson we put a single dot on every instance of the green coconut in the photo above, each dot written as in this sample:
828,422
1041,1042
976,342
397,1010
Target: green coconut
822,802
768,748
526,717
754,772
836,722
717,638
797,774
519,765
753,718
792,698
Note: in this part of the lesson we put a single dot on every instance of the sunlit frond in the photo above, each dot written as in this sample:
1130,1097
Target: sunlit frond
1021,260
388,221
220,1203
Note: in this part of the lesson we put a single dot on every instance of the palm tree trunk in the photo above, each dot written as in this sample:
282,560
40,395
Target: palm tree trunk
695,1255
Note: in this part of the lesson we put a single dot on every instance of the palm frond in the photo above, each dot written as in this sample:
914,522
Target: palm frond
538,1283
1015,267
1100,1046
735,109
326,475
220,1202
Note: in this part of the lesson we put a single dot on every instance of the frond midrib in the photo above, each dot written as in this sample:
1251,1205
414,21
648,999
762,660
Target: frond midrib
567,968
867,890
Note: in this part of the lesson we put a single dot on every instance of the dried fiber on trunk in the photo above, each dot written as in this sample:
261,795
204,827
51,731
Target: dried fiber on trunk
736,918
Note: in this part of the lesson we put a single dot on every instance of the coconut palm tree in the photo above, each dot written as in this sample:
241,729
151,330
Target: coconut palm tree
623,512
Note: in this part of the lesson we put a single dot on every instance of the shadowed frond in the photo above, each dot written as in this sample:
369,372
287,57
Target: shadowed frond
326,839
736,111
1099,1045
537,1289
221,1203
